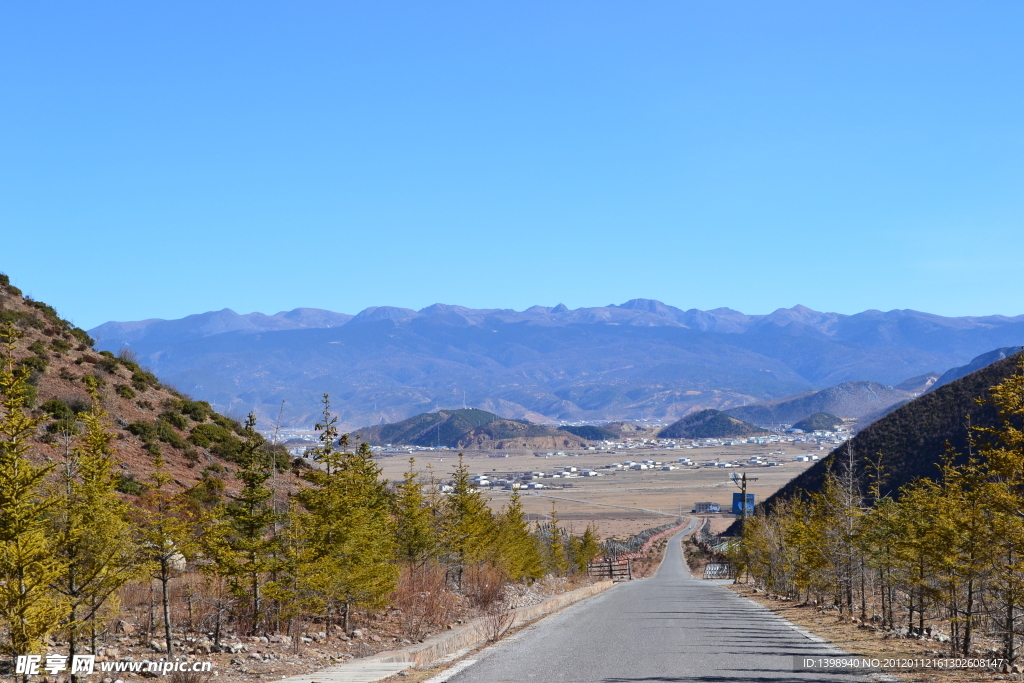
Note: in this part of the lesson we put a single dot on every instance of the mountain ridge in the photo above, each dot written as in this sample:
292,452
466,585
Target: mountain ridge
642,358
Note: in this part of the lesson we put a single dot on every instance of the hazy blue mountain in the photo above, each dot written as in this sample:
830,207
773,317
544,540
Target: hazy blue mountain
639,359
848,399
982,361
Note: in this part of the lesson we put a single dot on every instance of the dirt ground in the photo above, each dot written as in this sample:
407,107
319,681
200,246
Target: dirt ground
863,641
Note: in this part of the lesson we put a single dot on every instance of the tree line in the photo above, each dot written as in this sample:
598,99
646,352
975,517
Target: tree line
941,553
71,544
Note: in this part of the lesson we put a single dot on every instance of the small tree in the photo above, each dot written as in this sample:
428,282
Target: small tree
241,543
167,529
29,609
467,525
348,536
516,548
414,529
95,537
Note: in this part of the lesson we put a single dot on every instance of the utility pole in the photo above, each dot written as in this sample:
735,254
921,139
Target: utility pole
741,481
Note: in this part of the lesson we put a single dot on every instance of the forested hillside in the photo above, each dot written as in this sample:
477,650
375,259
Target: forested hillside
909,442
125,502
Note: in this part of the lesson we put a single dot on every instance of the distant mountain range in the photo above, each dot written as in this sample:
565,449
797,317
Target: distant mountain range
640,359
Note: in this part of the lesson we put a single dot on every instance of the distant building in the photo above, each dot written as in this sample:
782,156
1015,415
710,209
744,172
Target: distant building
700,508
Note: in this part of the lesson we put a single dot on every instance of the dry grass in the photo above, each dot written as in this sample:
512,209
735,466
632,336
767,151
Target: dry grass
424,600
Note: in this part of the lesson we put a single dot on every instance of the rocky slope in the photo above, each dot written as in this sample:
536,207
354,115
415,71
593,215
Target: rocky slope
148,418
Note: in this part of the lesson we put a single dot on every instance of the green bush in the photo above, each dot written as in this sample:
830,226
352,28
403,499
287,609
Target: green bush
31,394
199,411
38,347
59,345
153,448
35,363
173,418
82,336
145,405
124,391
109,365
142,380
126,483
228,423
58,409
99,380
167,434
191,456
144,430
5,280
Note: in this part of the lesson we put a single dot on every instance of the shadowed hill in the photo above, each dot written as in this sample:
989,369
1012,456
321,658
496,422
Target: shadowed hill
849,399
708,424
468,428
592,433
913,438
822,421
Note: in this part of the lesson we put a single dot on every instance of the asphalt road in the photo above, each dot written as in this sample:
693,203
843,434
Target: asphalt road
666,628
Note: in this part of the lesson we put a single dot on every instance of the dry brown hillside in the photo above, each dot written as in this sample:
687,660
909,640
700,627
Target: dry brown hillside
149,419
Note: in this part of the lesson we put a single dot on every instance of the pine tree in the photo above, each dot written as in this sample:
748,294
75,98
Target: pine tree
241,544
585,549
468,526
414,529
29,608
557,562
348,536
517,554
94,534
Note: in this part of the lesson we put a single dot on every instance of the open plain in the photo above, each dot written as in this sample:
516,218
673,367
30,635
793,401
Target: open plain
623,502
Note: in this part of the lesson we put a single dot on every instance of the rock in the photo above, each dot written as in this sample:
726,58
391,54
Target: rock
254,655
274,638
357,633
264,639
111,652
123,627
375,638
157,646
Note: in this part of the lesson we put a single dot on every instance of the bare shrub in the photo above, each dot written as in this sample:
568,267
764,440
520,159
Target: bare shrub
483,584
424,599
498,619
189,677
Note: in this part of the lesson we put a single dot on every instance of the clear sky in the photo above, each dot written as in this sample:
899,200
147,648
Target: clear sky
161,159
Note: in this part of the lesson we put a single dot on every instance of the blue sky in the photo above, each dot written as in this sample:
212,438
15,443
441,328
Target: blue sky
161,159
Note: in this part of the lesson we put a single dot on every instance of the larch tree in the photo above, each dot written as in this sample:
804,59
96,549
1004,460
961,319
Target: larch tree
94,533
467,524
241,543
414,529
167,527
29,608
348,534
